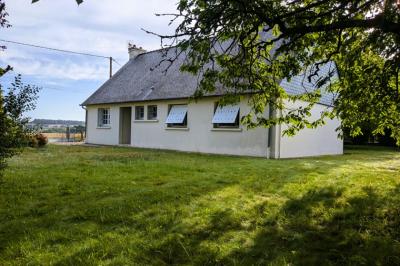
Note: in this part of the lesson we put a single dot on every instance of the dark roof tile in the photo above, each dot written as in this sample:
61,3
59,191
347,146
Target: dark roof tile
144,79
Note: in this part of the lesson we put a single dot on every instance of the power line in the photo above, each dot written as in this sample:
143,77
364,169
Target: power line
54,49
60,89
64,51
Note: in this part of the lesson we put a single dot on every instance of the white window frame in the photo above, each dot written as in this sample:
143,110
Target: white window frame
184,123
137,118
148,112
229,108
104,117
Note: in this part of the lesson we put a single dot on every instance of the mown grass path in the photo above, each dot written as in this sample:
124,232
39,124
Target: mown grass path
121,206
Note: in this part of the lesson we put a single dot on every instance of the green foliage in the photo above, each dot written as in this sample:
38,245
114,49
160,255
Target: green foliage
77,205
374,97
14,103
37,140
18,99
79,129
42,140
250,46
32,141
3,24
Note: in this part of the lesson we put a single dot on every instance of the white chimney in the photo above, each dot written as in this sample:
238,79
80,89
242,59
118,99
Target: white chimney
134,51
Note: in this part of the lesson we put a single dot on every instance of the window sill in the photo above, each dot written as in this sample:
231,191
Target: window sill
177,128
227,129
103,128
146,121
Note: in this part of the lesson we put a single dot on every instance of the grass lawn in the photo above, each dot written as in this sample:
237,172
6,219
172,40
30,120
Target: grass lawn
121,206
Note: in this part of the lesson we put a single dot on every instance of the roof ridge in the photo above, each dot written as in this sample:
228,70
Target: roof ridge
157,50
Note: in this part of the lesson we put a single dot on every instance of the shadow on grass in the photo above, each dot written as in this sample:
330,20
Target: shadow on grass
142,219
320,228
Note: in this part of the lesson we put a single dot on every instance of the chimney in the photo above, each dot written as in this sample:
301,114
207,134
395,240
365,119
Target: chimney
134,51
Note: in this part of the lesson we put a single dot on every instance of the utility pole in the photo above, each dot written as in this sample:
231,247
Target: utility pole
111,59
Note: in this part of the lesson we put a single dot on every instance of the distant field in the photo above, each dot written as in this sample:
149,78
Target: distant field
77,136
64,205
54,135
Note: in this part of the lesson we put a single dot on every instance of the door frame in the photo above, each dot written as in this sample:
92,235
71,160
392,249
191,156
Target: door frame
123,123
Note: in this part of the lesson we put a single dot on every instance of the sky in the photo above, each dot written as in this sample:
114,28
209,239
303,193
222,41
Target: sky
98,27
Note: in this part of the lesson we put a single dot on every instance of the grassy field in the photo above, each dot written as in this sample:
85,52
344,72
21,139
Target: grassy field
120,206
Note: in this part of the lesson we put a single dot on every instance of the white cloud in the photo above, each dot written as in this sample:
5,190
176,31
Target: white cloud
99,27
63,20
47,66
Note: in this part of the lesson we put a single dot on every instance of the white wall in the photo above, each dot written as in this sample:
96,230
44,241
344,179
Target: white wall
105,136
199,137
323,140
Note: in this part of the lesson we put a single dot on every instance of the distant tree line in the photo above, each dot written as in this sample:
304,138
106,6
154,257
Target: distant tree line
72,129
368,137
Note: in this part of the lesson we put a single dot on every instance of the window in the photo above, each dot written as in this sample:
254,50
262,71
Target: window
104,117
152,112
177,116
139,113
227,116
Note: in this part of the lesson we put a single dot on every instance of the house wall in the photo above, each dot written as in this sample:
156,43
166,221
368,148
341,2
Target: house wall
107,135
323,140
198,137
201,137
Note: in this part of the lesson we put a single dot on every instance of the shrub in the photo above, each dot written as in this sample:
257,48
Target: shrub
32,141
41,140
37,140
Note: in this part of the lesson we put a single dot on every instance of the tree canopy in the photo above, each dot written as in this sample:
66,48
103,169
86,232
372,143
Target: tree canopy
272,40
18,100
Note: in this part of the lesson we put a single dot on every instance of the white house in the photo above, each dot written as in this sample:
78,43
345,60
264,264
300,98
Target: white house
143,106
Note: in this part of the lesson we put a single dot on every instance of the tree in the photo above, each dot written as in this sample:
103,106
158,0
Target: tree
251,45
81,130
18,99
3,24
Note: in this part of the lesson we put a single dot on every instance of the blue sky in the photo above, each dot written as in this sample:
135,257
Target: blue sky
98,27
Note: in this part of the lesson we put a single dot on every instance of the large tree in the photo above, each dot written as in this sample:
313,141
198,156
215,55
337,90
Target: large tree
17,100
3,24
14,103
265,41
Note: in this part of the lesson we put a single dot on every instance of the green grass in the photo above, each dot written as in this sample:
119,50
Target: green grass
121,206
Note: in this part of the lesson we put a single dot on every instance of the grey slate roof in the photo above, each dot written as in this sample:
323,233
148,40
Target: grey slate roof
300,84
144,79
